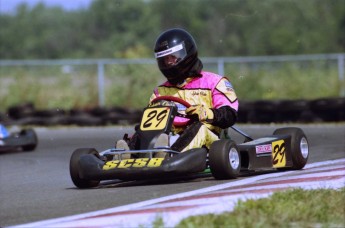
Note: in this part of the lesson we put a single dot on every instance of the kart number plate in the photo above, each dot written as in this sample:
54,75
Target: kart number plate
155,118
278,156
133,163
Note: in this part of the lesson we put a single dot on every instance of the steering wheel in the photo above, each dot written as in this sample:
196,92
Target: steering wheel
171,98
177,100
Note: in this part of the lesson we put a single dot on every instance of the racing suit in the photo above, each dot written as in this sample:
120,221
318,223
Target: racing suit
212,91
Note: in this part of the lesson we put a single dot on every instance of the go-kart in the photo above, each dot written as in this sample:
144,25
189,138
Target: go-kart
287,148
25,140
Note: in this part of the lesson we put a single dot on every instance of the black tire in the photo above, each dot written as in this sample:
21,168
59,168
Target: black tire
224,159
299,146
30,133
74,168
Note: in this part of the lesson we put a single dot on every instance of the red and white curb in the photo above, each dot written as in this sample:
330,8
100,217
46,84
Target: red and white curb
216,199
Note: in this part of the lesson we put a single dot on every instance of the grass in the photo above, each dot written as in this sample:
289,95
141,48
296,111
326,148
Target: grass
130,86
292,208
284,81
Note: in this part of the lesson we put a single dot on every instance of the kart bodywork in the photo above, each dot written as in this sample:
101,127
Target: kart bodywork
286,148
25,140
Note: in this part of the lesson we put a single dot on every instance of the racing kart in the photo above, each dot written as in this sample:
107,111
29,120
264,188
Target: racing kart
286,148
25,140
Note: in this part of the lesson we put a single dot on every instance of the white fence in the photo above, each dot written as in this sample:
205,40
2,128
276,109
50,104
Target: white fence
219,63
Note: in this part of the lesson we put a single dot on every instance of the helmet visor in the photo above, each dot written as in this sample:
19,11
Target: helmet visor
171,57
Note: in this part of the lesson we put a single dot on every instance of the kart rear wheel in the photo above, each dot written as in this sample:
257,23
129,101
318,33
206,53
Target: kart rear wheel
31,134
299,146
74,168
224,159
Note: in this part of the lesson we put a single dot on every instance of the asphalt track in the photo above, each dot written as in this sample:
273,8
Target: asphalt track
36,185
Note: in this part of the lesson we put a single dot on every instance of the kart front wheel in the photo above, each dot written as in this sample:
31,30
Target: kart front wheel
299,146
224,159
74,168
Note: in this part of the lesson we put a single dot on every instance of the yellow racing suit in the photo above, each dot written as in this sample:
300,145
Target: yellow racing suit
210,90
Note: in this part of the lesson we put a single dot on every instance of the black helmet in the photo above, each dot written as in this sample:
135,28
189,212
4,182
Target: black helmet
177,55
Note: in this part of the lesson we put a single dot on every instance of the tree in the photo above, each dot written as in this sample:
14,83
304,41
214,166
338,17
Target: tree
128,28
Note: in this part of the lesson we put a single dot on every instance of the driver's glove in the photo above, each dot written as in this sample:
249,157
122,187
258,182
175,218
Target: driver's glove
204,114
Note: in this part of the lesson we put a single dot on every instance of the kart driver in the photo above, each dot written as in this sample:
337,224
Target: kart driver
213,100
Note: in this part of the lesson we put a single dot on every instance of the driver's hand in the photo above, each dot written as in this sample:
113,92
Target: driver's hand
203,113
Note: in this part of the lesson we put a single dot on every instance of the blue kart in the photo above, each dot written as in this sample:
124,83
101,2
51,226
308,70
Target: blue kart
25,140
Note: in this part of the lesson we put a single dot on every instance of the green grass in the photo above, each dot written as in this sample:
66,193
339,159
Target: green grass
130,86
292,208
284,81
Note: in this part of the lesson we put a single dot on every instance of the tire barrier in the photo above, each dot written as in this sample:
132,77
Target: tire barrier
291,111
261,111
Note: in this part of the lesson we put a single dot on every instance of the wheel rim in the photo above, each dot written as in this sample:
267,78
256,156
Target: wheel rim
304,147
234,158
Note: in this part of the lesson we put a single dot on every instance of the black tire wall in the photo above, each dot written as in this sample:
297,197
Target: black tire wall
261,111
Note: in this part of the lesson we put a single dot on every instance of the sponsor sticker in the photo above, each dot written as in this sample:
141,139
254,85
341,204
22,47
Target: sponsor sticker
169,51
133,163
261,149
228,84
